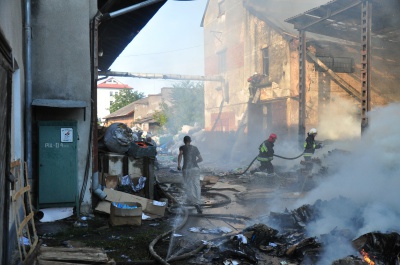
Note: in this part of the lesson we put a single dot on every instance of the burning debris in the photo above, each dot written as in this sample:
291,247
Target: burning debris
378,248
291,243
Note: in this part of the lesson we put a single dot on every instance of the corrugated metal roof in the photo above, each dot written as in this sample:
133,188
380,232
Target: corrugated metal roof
343,20
116,33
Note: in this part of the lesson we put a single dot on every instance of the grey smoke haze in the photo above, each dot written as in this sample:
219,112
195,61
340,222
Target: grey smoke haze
340,120
369,175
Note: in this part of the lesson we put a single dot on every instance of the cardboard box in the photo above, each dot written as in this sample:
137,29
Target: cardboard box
121,216
150,207
111,181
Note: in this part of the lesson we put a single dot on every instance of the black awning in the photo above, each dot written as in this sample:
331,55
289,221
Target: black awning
116,33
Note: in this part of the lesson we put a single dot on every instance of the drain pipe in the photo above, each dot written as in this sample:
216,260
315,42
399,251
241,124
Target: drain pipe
28,88
97,188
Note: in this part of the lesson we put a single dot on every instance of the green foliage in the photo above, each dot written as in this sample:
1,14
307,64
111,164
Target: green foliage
125,97
161,116
188,106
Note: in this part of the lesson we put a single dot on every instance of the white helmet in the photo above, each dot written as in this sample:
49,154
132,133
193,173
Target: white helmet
313,131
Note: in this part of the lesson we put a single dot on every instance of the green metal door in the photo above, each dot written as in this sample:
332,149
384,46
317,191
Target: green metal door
57,163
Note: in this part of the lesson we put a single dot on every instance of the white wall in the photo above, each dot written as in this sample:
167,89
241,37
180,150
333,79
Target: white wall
103,101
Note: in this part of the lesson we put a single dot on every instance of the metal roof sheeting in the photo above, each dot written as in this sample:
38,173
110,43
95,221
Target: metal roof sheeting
342,19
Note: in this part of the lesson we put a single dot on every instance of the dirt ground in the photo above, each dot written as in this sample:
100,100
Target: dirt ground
130,244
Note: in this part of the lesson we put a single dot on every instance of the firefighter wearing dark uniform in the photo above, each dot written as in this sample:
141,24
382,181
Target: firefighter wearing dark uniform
310,144
266,154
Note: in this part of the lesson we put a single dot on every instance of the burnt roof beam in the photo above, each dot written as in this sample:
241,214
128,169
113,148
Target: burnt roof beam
328,15
340,81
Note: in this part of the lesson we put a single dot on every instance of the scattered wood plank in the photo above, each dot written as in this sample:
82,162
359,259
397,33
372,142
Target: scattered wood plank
75,256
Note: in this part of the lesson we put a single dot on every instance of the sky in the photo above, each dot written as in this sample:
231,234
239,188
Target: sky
170,43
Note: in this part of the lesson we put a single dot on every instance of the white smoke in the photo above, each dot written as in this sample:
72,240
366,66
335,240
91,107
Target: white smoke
369,176
339,120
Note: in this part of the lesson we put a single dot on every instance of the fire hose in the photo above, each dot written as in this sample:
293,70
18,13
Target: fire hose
186,214
287,158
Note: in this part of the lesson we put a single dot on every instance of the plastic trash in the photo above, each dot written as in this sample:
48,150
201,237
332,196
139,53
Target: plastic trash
158,203
126,181
145,217
118,138
140,185
241,238
124,206
231,262
24,241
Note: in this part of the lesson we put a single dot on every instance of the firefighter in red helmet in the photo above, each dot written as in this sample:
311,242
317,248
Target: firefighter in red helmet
266,154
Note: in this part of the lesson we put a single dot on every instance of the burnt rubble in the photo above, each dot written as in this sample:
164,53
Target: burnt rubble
380,247
291,244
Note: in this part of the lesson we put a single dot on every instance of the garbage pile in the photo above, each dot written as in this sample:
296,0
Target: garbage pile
292,244
119,138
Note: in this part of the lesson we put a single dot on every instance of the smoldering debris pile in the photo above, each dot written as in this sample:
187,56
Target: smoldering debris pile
292,244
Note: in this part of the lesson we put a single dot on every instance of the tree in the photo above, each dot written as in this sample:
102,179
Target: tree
125,97
187,108
160,116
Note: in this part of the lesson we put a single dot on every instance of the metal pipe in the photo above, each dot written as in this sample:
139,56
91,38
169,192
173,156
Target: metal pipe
28,88
97,188
163,76
129,9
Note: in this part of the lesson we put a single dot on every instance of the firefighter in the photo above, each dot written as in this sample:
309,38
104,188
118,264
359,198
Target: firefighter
310,144
254,80
266,154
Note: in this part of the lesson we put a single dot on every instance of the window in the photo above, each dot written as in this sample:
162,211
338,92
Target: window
338,64
111,93
221,7
265,56
222,62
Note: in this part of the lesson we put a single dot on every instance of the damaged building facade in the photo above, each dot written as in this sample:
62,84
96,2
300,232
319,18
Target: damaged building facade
247,37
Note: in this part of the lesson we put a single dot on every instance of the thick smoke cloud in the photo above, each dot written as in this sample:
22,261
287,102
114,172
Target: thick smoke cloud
340,120
368,174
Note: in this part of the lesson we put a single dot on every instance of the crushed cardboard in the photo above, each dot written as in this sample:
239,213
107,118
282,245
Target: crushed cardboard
111,181
150,207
